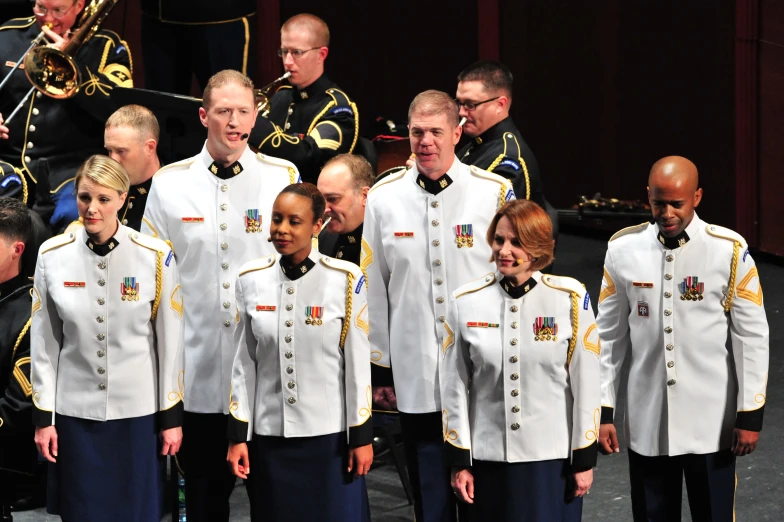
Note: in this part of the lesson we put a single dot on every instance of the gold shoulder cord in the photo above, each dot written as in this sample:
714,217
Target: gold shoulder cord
733,274
347,321
21,336
158,284
575,326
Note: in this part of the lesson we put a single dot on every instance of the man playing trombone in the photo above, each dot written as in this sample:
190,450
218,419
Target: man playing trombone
48,138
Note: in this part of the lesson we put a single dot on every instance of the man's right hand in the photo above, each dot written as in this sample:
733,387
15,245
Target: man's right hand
46,442
384,396
3,129
608,439
238,459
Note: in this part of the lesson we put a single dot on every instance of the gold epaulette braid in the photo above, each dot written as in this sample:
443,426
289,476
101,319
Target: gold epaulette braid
347,321
733,273
158,284
575,326
21,336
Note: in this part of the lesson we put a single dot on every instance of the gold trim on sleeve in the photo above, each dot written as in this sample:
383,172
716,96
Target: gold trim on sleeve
744,293
175,396
449,339
592,347
361,323
176,305
24,330
21,378
609,290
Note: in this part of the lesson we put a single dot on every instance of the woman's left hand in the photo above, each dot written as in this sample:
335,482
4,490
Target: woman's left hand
583,481
172,439
360,459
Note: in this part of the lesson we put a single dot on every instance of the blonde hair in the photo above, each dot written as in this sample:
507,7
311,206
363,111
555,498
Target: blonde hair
434,102
136,117
105,171
223,78
319,32
533,228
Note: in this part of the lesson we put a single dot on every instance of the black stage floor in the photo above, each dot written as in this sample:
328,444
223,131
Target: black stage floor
760,475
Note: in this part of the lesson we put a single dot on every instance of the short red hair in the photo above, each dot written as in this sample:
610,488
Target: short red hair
533,227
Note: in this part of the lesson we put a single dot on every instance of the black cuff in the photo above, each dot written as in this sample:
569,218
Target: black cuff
750,420
381,375
361,435
237,430
171,418
457,457
607,415
41,418
584,459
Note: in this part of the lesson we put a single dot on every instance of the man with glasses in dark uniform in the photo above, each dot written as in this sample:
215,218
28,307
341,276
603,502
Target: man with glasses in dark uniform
49,138
310,120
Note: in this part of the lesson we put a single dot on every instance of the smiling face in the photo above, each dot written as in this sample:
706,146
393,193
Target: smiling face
98,206
507,251
433,141
293,226
62,14
231,113
345,203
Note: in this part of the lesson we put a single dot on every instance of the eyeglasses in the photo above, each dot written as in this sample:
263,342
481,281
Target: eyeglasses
295,53
57,13
471,106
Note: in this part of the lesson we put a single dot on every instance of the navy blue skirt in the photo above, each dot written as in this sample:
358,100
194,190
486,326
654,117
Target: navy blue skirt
107,471
304,479
524,492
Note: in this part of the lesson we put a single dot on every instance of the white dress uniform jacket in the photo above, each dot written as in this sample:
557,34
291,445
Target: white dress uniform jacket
669,306
107,330
520,375
214,226
302,366
417,246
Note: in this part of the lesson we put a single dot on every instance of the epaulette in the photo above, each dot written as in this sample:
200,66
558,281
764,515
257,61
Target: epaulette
475,285
390,172
505,191
566,284
340,97
149,242
511,146
339,264
18,23
257,264
283,88
629,230
57,242
184,164
272,160
389,179
725,233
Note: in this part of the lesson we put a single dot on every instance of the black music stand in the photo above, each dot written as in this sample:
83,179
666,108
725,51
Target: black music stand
182,134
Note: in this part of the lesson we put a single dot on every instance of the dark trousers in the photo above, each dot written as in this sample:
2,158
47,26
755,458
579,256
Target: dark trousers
657,484
428,469
208,479
173,52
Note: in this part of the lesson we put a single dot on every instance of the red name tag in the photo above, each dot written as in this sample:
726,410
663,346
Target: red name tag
13,64
74,284
265,308
481,325
193,220
404,234
642,285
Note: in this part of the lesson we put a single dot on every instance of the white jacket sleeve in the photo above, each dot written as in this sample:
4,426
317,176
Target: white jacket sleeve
243,373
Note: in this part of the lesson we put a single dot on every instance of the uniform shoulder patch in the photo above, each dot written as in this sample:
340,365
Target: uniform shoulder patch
256,265
343,266
149,242
566,284
340,97
57,242
396,173
511,146
176,166
725,233
475,285
630,230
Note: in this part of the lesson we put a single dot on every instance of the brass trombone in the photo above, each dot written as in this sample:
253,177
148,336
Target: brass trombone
263,95
53,72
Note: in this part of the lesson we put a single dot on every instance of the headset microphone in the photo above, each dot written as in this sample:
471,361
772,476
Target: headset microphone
245,136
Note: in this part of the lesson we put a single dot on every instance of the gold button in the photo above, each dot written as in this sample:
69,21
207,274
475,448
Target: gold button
224,226
29,144
436,242
102,265
38,94
102,386
515,392
101,300
670,364
99,318
668,330
514,376
440,300
437,262
226,285
434,204
288,125
292,400
289,323
513,342
513,359
124,221
670,347
514,325
442,319
439,281
28,159
515,426
671,382
289,307
226,323
101,337
32,128
514,308
101,370
226,304
224,246
289,291
515,409
292,384
224,206
288,338
101,353
668,312
101,282
670,258
667,276
224,188
289,355
435,222
225,266
668,294
35,111
290,370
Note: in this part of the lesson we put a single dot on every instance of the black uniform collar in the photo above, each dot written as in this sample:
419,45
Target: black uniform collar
434,186
353,237
226,172
516,292
104,249
142,189
320,86
10,286
294,272
671,243
496,131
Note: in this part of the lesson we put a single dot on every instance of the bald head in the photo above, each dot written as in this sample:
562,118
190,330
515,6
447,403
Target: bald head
674,193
